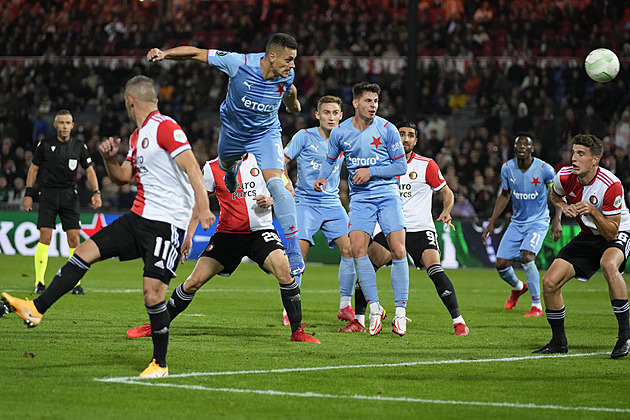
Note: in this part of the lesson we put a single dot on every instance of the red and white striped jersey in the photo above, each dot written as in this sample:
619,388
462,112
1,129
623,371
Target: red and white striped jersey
239,212
164,190
423,177
604,192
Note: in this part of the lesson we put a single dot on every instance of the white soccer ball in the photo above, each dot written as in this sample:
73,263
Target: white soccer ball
602,65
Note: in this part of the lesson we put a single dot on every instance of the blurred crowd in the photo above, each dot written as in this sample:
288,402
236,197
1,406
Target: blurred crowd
467,115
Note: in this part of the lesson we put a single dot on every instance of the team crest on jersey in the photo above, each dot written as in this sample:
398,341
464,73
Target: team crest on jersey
593,200
254,171
413,175
72,164
617,202
209,247
145,142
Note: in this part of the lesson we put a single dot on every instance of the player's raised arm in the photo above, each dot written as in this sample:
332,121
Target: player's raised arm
120,174
291,101
179,54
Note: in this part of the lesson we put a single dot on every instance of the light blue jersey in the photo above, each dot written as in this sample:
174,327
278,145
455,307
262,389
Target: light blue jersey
529,190
378,146
310,147
250,109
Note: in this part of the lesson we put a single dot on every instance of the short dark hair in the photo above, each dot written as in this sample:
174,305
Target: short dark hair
360,88
593,143
62,112
524,134
281,40
408,124
328,99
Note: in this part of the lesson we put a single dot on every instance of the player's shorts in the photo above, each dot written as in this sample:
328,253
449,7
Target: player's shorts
267,149
230,248
59,201
131,236
584,252
364,213
415,243
331,219
522,238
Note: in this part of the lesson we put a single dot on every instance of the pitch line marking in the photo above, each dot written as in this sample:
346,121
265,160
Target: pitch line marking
321,368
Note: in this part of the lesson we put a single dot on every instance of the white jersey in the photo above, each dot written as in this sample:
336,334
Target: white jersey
164,190
239,211
423,177
604,192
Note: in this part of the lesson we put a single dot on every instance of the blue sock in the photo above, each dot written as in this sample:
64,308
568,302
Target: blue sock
533,281
509,276
346,276
283,207
367,278
400,282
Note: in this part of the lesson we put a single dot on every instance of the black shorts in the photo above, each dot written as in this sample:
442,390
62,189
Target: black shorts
230,248
584,252
59,201
415,243
131,236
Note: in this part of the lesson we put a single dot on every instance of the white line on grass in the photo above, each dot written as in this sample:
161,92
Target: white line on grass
317,368
138,381
134,380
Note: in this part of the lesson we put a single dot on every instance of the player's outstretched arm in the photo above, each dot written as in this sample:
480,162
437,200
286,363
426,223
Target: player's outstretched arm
120,174
178,53
187,162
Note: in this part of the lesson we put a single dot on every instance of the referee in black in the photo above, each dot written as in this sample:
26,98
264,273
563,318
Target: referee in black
58,157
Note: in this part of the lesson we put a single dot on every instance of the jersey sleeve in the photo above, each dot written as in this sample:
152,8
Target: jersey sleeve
505,177
296,145
549,174
86,159
434,176
227,62
133,141
558,189
613,198
208,177
333,151
172,138
394,143
38,156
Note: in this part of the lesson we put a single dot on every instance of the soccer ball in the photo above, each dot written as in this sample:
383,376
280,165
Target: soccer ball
602,65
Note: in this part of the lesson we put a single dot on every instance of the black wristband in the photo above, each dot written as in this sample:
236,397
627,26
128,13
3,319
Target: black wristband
97,192
29,192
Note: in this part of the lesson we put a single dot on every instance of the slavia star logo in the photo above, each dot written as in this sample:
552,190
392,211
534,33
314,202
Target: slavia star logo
280,89
535,181
376,142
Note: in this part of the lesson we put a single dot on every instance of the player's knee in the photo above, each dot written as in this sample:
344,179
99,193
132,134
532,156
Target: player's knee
609,268
193,283
502,264
550,284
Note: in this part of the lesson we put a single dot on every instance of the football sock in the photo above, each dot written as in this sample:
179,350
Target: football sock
400,281
41,262
533,281
346,276
444,288
345,301
360,319
555,318
367,278
622,312
459,320
178,301
71,254
292,302
400,311
159,319
66,278
510,278
360,304
283,207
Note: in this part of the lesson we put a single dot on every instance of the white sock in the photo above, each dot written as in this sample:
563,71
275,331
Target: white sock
375,308
459,320
400,311
345,301
519,286
360,319
538,305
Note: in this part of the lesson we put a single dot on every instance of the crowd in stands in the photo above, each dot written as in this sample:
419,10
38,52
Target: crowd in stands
466,115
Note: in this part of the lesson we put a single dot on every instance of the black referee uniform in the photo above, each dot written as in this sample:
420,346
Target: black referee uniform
58,162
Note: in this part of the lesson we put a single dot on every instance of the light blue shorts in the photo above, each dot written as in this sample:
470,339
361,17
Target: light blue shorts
332,219
267,149
516,238
364,213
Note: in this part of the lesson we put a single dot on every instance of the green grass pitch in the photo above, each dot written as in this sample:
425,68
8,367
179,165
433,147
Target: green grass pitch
230,357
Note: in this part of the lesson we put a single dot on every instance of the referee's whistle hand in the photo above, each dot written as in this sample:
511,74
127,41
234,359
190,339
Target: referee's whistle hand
28,203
